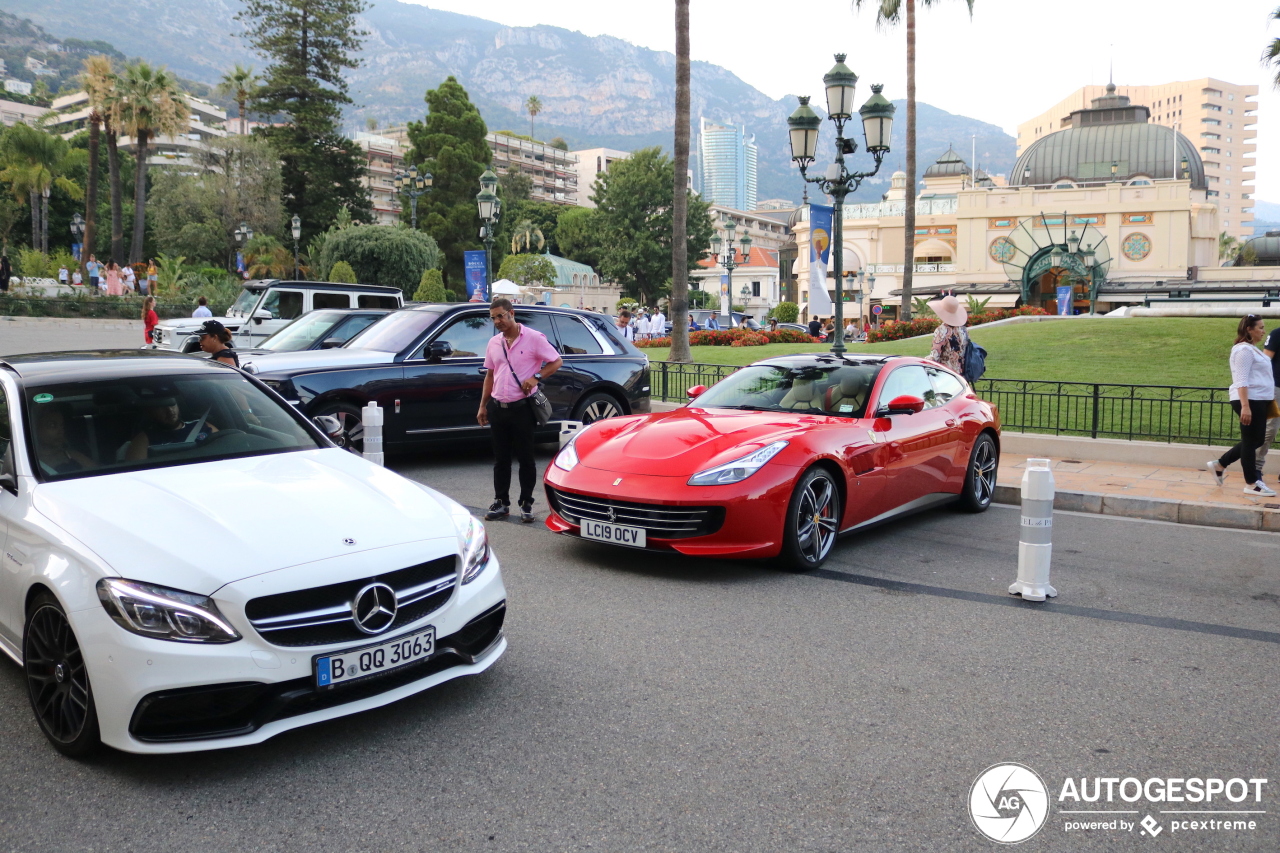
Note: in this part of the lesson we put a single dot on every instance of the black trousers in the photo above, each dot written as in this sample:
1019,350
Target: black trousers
512,430
1250,437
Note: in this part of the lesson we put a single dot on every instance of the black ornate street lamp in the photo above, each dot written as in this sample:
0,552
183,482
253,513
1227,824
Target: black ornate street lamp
490,209
838,181
413,184
296,226
729,260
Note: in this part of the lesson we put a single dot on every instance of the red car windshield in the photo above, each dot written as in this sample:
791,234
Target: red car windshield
828,389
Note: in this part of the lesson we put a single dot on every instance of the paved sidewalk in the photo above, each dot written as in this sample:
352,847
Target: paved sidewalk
1147,491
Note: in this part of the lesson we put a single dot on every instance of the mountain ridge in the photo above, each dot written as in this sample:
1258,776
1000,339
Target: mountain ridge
597,91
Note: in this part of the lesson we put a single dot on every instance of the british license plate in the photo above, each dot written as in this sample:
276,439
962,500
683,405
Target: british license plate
617,534
332,670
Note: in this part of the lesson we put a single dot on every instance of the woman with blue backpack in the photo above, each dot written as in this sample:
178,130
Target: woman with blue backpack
951,345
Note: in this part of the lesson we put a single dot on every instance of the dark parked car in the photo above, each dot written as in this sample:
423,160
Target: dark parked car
424,366
323,329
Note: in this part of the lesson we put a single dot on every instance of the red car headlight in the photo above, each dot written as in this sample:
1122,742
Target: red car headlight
739,469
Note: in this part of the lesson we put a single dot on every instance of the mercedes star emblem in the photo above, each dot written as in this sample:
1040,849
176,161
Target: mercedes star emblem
374,608
348,541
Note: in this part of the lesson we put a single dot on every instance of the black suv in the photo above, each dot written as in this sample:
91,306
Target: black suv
424,366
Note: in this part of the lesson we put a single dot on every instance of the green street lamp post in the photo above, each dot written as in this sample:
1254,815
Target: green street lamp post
490,209
838,182
412,184
729,260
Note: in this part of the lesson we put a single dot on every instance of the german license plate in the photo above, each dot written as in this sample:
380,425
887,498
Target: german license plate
617,534
332,670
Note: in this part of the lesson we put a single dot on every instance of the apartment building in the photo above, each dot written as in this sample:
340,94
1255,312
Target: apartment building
1218,117
554,172
384,157
206,122
12,112
727,165
593,162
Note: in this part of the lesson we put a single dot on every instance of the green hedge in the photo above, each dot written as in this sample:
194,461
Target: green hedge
95,307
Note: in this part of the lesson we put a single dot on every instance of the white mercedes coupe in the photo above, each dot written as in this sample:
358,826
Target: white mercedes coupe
188,564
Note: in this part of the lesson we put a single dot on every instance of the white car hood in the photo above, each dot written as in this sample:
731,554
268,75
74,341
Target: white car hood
339,357
199,527
190,324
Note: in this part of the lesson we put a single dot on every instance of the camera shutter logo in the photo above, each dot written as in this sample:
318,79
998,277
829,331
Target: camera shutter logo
1008,803
374,608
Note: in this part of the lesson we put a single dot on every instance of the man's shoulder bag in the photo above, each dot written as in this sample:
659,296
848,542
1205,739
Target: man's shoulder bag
538,400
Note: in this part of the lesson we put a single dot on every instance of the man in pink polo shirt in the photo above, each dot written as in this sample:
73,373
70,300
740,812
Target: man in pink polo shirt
517,359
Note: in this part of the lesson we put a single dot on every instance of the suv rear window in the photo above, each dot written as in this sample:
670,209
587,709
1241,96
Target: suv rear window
321,300
574,337
371,300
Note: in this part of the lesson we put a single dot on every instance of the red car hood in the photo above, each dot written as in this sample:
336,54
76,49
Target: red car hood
685,441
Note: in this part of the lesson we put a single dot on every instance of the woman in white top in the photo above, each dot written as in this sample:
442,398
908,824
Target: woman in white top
1252,394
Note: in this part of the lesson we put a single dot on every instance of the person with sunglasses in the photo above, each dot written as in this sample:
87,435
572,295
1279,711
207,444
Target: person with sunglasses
1252,395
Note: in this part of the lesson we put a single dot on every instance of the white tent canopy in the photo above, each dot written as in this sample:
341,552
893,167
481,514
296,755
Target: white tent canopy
505,287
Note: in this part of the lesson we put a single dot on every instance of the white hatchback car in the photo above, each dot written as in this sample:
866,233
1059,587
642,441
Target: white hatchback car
189,564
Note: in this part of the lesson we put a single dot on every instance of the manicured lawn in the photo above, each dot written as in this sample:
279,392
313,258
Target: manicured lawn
1139,351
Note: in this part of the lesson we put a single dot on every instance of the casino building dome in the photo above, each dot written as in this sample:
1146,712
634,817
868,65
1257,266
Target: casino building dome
1111,133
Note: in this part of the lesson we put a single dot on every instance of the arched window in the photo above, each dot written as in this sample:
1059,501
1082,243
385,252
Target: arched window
575,279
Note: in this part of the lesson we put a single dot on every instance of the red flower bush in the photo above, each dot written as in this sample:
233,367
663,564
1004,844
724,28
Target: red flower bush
896,331
740,337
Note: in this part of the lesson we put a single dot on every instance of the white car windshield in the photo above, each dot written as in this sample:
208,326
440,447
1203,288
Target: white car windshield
303,332
832,388
246,300
86,429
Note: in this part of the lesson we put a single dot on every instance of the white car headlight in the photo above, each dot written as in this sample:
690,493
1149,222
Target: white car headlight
567,458
164,614
739,469
473,544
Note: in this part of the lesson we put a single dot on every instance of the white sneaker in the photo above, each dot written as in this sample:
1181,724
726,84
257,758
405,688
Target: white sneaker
1220,476
1259,489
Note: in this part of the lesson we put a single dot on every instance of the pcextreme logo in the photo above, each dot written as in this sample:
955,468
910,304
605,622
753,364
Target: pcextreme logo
1009,803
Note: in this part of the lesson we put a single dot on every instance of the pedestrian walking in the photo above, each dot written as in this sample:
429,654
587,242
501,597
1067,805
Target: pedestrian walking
693,324
713,321
92,269
950,337
129,278
658,324
152,276
625,328
516,360
815,327
1270,349
6,273
214,338
773,324
202,308
77,280
111,279
149,319
1253,399
63,275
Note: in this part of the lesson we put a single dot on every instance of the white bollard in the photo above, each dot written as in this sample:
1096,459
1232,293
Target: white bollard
1035,544
372,417
568,429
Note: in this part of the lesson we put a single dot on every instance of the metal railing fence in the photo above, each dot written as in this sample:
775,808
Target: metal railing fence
1173,413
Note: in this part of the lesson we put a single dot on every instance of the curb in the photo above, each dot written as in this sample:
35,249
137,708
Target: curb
1155,509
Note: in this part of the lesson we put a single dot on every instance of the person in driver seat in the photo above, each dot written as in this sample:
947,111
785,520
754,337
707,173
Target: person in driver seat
164,425
54,450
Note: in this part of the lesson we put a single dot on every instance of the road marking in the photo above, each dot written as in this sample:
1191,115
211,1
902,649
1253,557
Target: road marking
1052,607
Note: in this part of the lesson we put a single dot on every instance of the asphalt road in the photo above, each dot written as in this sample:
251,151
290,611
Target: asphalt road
662,703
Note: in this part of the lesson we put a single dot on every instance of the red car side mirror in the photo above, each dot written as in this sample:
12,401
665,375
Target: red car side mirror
696,391
905,404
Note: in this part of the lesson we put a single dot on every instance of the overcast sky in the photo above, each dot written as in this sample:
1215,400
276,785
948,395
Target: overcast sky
1013,60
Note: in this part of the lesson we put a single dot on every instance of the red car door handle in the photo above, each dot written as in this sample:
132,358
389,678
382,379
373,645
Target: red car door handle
951,422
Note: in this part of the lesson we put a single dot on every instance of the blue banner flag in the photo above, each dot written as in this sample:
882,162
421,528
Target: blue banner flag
1064,299
473,263
819,257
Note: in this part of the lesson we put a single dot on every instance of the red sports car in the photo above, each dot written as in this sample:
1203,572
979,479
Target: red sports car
780,458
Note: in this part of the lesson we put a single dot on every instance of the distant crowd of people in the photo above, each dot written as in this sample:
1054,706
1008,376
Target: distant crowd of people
111,278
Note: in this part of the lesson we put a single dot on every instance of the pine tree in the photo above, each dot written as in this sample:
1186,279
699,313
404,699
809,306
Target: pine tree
450,144
308,44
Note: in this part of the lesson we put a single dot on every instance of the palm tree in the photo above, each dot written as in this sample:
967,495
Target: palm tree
533,106
1228,246
890,12
151,105
34,163
1271,56
99,83
679,302
528,235
239,83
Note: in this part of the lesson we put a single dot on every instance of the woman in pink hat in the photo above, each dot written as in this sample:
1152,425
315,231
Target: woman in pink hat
950,338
